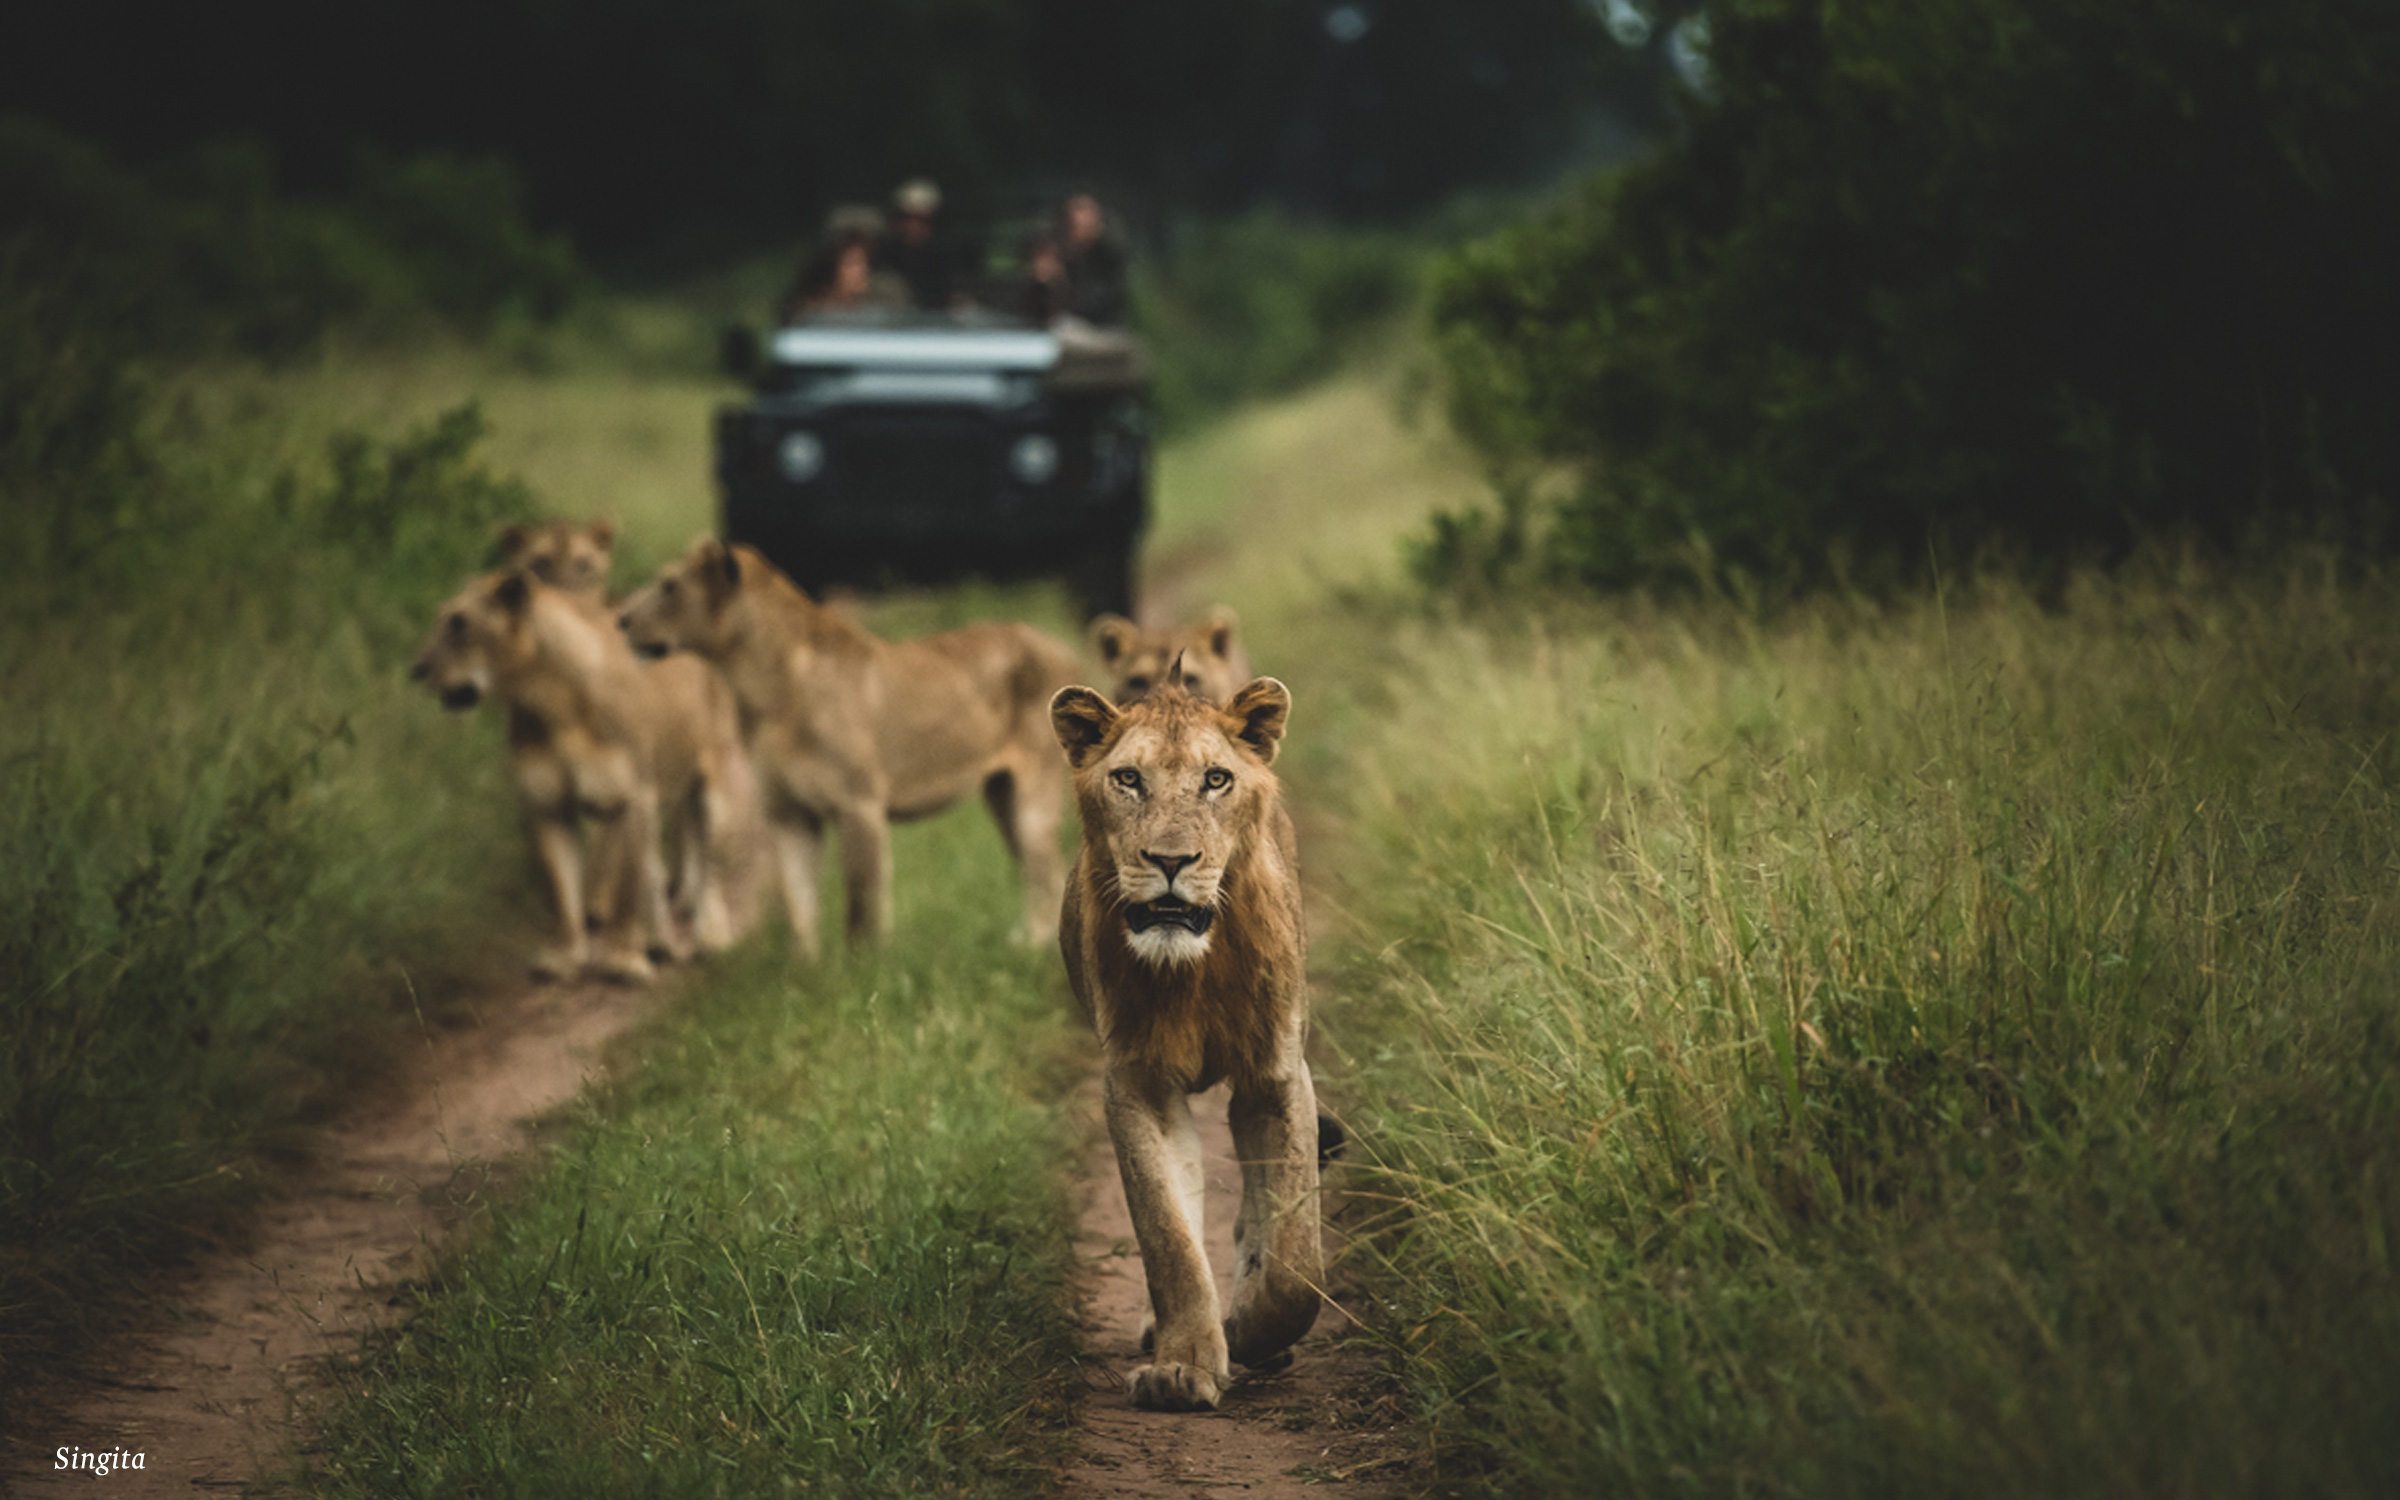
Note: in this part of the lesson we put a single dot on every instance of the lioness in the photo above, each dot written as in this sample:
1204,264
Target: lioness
1207,657
1183,940
571,555
575,556
623,738
854,732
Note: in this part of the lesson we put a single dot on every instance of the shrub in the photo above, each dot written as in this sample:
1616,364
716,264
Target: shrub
2060,272
203,251
1247,308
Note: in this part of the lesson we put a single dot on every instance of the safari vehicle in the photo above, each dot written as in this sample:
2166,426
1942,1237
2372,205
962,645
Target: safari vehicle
900,447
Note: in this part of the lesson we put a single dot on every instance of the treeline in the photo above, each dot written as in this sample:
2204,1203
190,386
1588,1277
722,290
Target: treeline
204,250
1916,278
684,134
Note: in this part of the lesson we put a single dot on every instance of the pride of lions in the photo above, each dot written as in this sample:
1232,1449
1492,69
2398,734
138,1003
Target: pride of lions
721,712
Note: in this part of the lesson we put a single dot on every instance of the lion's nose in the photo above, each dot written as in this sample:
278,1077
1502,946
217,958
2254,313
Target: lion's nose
1169,864
625,622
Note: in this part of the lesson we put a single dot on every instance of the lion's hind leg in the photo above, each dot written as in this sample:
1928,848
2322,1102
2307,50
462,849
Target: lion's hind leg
554,839
699,880
1028,809
1278,1244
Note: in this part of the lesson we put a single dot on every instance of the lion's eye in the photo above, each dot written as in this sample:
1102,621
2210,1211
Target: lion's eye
1137,684
1217,779
1127,777
666,588
457,626
1191,684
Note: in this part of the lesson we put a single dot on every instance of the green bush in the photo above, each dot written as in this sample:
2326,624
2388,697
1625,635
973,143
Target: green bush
2057,272
202,251
1243,309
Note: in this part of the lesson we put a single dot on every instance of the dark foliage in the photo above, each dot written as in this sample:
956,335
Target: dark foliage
678,132
1930,274
203,250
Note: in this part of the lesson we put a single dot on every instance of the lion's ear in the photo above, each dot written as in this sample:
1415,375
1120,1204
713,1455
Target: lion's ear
513,593
720,571
1222,626
1082,720
509,540
1112,637
1262,707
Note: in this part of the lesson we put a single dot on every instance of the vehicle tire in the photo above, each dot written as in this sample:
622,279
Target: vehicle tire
1101,582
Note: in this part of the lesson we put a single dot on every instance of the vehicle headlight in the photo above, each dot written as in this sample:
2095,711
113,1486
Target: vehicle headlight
1034,459
801,456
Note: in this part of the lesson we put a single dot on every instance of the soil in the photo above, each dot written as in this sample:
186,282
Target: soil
1322,1420
214,1397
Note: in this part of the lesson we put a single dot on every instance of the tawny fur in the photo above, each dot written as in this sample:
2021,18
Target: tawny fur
850,732
624,744
1138,658
575,556
1179,807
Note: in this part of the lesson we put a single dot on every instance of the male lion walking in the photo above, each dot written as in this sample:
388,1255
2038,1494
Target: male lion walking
1182,935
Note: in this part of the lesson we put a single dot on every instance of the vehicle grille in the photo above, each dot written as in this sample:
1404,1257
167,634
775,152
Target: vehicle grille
914,465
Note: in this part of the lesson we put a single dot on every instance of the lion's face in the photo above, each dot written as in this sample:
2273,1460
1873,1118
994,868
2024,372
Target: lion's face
476,637
1172,788
571,556
1206,659
683,609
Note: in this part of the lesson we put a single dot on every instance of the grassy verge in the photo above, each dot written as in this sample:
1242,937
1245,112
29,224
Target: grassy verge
1938,1049
233,848
1935,1048
815,1242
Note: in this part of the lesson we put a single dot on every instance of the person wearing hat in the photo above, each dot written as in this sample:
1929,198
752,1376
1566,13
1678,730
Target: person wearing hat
911,248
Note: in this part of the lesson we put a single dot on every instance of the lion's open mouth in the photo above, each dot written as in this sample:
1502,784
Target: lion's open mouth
1141,916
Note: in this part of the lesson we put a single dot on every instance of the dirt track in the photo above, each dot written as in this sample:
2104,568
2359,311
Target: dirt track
214,1397
1286,1434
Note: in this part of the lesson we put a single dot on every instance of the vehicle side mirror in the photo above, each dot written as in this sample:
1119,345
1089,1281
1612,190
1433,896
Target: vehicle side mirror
738,352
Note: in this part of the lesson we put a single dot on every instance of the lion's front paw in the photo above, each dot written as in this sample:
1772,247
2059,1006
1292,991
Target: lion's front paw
624,966
555,965
1175,1388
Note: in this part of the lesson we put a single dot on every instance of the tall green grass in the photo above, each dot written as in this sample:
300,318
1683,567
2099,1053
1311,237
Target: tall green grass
234,846
1950,1047
816,1241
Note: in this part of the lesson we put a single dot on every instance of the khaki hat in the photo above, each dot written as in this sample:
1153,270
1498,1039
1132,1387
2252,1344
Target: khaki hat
918,195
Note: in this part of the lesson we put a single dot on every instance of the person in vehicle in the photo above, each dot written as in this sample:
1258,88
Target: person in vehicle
1094,261
841,275
1045,286
913,248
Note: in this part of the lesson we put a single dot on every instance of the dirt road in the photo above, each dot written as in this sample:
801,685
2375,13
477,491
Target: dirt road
1321,1421
213,1399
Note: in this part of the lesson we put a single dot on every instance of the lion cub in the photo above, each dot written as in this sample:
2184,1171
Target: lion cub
620,740
1183,940
853,732
1208,657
